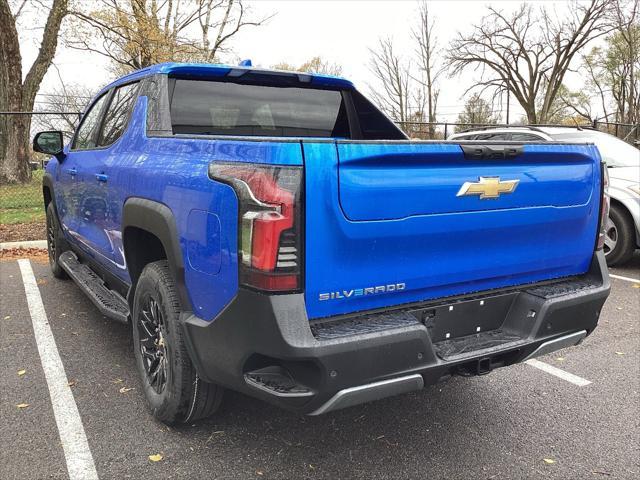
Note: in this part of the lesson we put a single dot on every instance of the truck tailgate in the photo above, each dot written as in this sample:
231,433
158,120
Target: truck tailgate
389,223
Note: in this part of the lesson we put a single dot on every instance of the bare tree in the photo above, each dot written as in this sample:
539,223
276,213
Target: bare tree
477,111
571,107
313,65
528,53
428,58
17,94
622,65
65,102
134,34
595,83
611,69
392,73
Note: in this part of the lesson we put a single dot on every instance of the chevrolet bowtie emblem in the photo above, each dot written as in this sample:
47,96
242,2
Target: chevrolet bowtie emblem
488,187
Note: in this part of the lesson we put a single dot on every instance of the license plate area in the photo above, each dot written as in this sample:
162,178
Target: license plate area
462,318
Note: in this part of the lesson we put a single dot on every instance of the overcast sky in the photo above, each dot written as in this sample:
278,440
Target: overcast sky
339,31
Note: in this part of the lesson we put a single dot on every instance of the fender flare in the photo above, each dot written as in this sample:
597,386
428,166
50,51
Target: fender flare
158,220
47,181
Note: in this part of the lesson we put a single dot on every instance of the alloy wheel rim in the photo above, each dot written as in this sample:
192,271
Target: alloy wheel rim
610,237
152,344
51,240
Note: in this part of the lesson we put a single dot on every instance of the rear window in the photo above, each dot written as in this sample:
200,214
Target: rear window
223,108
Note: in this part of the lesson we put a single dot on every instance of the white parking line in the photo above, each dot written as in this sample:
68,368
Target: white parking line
74,440
569,377
628,279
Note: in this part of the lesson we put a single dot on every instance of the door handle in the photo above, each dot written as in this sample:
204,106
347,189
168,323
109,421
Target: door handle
72,171
101,177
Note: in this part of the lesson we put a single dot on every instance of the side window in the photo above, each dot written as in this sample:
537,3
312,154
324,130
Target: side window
86,135
525,137
493,136
115,120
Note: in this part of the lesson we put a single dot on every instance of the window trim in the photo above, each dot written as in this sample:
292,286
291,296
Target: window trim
104,113
355,131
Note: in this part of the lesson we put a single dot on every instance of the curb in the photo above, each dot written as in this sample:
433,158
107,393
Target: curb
30,244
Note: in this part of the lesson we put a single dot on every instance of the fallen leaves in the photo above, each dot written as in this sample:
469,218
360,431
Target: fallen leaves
560,359
620,353
218,432
72,383
125,389
21,372
155,458
18,253
549,461
22,405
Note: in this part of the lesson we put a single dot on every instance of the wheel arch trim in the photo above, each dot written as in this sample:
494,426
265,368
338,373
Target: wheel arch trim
628,207
158,220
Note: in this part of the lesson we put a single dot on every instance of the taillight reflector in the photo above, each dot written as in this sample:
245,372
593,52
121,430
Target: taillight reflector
269,223
605,205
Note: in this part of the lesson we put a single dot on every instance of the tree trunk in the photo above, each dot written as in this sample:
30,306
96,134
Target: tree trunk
14,138
15,165
19,96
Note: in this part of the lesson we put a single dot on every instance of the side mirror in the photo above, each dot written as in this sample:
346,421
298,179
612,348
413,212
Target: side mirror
50,143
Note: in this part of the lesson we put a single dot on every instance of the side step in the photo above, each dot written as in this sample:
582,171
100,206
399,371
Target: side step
108,302
377,322
476,344
277,381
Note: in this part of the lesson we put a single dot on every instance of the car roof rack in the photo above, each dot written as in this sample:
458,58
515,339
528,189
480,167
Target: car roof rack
535,128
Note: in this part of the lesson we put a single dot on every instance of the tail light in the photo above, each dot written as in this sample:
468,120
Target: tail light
605,203
269,222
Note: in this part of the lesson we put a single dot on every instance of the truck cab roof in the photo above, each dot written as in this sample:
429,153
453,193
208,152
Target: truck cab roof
214,70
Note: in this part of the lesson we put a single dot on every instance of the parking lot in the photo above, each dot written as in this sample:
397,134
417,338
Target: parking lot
518,422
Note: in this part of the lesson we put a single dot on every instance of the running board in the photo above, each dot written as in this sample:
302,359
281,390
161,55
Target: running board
109,303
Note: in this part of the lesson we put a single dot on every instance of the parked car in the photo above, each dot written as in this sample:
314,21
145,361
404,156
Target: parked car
623,166
274,233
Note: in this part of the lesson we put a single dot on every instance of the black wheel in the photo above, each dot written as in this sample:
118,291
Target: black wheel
619,241
55,243
174,391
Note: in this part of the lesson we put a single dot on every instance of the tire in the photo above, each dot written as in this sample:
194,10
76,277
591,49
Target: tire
56,244
620,237
174,392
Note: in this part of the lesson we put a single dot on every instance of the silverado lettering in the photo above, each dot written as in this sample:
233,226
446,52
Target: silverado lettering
361,291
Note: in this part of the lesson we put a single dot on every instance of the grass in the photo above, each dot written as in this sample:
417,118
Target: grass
22,203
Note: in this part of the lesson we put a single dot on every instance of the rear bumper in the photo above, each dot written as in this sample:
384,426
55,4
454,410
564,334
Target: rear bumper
344,361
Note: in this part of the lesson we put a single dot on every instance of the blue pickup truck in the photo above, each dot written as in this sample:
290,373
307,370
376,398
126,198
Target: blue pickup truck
274,233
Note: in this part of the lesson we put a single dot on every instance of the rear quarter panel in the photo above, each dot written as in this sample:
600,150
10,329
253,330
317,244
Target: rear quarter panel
173,171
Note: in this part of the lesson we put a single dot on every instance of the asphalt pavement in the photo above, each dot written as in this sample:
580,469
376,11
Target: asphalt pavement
516,423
